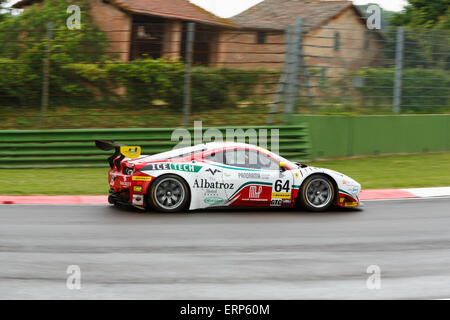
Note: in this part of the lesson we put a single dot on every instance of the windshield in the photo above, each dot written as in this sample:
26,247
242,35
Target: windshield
290,164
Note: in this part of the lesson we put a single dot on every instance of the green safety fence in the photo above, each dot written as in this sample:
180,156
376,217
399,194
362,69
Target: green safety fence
347,136
76,148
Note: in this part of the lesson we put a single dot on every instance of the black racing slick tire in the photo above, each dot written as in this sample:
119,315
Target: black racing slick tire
169,193
317,193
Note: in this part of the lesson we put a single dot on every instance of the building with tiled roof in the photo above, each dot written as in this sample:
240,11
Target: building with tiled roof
252,39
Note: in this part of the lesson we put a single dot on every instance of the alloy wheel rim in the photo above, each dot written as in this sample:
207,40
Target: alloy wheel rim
318,193
169,194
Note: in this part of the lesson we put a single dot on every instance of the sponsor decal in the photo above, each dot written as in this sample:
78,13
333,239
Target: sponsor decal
210,192
131,152
275,203
350,204
142,178
185,167
125,184
205,184
213,171
137,189
138,200
157,166
253,175
249,175
280,203
214,200
281,195
254,192
251,183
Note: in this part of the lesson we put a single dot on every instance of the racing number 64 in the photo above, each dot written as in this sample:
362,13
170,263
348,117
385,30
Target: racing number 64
280,186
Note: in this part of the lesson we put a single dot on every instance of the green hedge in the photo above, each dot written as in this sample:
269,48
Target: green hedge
423,90
140,83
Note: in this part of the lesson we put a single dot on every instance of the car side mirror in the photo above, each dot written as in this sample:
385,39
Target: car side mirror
282,166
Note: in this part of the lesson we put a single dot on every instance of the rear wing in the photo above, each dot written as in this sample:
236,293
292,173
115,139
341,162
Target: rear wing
120,151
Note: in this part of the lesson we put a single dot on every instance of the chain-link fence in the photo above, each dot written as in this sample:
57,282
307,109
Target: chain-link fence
369,72
164,74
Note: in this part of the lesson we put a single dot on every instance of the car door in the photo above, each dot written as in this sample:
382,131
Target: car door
254,179
209,182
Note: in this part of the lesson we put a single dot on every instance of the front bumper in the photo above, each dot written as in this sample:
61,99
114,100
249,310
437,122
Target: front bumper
348,200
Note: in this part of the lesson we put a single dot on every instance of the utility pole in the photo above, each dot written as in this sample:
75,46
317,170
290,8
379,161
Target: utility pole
288,85
46,74
187,76
398,70
294,70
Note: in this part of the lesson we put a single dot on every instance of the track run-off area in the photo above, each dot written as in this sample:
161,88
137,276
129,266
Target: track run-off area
227,254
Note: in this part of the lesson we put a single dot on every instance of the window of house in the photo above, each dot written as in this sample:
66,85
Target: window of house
261,37
366,40
147,37
337,41
323,77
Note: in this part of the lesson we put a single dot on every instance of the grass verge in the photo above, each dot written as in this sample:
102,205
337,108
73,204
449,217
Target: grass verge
406,171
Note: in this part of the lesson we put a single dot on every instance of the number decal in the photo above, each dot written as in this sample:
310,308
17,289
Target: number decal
279,186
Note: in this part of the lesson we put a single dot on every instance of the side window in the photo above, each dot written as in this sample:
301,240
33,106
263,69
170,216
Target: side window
250,159
216,157
237,158
268,163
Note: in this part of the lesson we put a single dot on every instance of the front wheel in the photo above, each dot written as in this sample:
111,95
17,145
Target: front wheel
317,193
169,193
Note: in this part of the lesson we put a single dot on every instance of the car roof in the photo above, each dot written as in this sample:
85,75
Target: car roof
215,145
193,149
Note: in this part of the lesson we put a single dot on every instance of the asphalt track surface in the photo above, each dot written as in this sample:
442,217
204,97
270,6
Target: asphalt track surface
269,254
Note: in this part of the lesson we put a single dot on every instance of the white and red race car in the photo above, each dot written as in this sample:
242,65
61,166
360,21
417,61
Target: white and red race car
224,174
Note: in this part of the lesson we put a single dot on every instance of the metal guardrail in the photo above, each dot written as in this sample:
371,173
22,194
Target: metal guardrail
75,147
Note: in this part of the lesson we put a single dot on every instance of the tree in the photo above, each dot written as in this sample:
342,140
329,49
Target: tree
427,37
424,13
3,9
23,43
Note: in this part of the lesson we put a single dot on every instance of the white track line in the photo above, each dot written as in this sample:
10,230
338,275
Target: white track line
418,198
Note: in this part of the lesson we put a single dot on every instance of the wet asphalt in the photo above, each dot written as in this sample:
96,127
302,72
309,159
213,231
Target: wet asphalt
226,254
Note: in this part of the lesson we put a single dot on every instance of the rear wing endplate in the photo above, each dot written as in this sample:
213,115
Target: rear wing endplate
121,152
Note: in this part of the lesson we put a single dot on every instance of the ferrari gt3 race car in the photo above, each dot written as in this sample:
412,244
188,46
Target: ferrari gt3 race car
224,174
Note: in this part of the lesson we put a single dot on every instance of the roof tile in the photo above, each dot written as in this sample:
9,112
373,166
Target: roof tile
176,9
278,14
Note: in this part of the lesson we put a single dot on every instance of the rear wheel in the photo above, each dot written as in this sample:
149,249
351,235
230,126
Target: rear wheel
169,193
317,193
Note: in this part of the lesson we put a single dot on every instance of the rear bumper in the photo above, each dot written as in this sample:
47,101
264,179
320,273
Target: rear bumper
122,197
